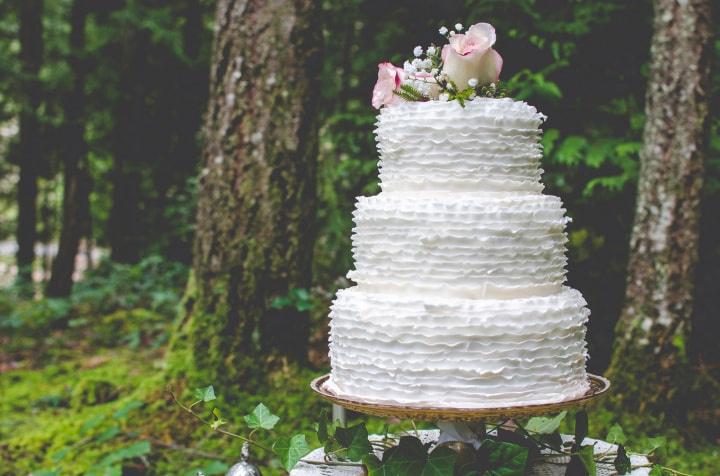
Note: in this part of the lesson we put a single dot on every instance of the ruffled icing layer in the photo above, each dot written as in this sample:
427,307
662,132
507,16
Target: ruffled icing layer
460,265
463,245
490,145
425,350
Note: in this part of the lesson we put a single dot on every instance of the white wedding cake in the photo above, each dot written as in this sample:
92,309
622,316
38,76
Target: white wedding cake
459,267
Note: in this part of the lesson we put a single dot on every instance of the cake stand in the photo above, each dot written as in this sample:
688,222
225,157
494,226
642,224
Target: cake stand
457,423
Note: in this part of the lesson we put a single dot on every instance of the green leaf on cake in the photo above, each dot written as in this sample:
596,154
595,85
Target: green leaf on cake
291,450
261,417
545,425
355,440
504,459
441,462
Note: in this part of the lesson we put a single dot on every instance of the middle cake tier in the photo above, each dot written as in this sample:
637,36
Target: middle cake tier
470,245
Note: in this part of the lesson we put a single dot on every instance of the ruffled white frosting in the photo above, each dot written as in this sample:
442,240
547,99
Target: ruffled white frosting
491,144
459,264
443,351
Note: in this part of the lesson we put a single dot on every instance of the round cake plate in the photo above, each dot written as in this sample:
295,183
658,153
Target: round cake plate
598,387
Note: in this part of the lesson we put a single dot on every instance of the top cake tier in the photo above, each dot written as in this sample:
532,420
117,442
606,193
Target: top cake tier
489,145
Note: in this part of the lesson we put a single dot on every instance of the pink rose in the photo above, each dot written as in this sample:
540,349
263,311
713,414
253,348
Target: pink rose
470,55
389,79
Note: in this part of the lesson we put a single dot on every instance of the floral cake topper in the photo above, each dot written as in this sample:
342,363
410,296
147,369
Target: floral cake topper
464,68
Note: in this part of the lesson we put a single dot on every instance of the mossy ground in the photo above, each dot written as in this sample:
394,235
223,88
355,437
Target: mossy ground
92,398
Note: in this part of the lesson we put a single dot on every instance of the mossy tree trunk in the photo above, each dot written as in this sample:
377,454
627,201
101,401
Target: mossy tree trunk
649,365
76,188
256,198
29,145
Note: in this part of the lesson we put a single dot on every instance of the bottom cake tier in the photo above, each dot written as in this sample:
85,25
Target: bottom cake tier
454,352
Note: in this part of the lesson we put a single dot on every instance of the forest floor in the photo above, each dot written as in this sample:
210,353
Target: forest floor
84,391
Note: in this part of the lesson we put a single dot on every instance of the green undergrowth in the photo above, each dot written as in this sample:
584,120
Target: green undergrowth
85,390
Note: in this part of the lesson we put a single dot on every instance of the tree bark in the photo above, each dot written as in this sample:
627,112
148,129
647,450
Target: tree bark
649,368
31,53
256,199
76,205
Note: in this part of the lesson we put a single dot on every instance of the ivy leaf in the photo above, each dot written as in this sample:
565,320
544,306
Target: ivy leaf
355,440
291,450
441,462
545,425
373,465
219,420
322,429
622,461
406,459
655,443
205,394
261,417
504,459
616,435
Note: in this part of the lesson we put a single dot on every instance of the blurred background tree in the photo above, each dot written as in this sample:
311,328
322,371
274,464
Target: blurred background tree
104,101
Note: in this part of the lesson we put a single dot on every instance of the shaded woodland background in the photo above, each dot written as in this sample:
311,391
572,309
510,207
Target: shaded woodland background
103,125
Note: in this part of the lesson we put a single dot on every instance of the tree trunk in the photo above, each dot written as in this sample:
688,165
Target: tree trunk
256,199
76,206
649,365
31,52
126,237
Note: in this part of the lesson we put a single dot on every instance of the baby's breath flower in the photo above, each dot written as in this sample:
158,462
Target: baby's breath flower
427,63
458,26
417,63
444,97
472,82
452,33
431,50
434,71
408,67
443,30
418,51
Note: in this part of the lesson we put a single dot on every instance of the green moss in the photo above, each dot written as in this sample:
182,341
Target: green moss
93,392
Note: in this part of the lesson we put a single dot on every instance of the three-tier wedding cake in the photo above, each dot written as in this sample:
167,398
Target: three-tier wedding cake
460,260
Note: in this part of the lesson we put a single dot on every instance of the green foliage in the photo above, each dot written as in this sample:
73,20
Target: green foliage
354,441
545,425
440,462
127,297
616,435
291,450
205,394
261,417
298,298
